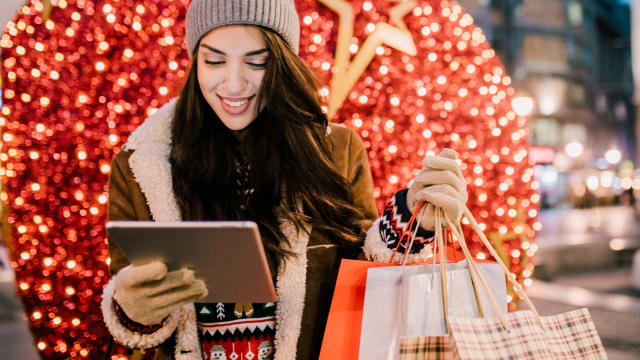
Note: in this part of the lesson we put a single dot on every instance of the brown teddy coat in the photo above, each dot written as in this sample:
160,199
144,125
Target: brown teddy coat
140,189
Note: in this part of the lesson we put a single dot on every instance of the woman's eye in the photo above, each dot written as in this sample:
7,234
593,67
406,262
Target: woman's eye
258,65
215,63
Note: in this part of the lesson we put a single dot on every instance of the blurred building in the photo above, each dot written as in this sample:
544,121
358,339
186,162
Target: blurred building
570,61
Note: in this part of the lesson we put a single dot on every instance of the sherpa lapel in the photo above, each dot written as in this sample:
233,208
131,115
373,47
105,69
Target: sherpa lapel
149,163
151,145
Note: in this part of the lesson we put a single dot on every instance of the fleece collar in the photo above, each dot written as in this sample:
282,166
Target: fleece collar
149,162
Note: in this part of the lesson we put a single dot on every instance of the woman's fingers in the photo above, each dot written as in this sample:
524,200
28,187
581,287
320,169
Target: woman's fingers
440,183
431,163
439,177
448,153
179,296
444,189
173,279
444,197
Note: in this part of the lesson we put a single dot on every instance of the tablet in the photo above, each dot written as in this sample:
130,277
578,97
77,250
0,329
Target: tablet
227,255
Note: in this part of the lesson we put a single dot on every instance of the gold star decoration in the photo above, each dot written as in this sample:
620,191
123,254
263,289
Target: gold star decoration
347,74
47,6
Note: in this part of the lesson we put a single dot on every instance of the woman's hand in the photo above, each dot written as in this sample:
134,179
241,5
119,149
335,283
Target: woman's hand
148,293
439,183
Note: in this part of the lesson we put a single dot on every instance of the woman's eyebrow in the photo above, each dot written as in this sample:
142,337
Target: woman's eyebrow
213,49
256,52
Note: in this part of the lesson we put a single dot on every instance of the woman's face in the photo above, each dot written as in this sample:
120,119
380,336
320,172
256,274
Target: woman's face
231,65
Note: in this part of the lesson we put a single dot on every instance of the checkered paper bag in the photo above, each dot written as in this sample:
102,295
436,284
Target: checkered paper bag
570,335
428,348
518,335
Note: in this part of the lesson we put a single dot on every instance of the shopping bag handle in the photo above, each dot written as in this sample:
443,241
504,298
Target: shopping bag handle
443,270
506,271
472,265
443,277
474,272
474,281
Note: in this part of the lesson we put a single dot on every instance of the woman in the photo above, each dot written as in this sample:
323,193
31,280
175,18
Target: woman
247,139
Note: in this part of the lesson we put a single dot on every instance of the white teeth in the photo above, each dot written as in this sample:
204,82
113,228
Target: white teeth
235,104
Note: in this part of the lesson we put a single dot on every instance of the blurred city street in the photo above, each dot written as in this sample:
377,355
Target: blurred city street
585,260
541,96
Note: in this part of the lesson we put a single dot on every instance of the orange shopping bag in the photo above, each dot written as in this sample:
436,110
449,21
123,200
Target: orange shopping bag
342,334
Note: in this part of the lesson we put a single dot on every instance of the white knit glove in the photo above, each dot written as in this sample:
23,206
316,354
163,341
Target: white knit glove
439,183
148,293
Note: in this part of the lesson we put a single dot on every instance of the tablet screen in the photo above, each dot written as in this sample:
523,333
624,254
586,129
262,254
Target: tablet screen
227,255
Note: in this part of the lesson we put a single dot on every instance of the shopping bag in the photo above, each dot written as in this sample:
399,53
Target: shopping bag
421,309
342,332
518,335
570,335
395,298
406,301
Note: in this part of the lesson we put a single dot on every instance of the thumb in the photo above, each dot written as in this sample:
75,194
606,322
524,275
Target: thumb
133,275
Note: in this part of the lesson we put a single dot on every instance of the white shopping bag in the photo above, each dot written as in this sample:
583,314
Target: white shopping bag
422,311
392,304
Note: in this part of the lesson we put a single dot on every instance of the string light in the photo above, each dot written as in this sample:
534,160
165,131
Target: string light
76,84
62,121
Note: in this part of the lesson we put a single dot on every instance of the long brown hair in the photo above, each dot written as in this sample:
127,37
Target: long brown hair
287,149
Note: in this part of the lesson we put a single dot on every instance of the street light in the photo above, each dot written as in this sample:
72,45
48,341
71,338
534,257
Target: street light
606,179
613,156
522,105
574,149
548,104
593,182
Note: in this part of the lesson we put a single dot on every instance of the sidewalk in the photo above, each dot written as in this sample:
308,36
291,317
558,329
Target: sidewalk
15,339
613,304
579,240
584,258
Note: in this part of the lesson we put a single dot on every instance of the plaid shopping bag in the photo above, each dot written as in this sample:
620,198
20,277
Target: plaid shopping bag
428,348
519,335
567,336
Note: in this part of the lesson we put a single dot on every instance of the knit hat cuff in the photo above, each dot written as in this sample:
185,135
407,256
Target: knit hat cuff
277,15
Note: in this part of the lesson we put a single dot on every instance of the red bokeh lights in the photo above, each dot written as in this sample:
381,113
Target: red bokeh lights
76,84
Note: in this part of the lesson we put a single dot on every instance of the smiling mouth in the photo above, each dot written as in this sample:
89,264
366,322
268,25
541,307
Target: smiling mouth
236,106
236,102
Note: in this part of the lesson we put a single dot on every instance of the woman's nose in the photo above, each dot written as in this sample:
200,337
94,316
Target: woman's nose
235,79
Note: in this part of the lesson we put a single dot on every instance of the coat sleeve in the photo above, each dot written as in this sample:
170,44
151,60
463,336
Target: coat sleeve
120,206
359,176
126,202
383,233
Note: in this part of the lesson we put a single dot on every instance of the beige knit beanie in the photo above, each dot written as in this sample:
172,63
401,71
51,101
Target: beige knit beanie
277,15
